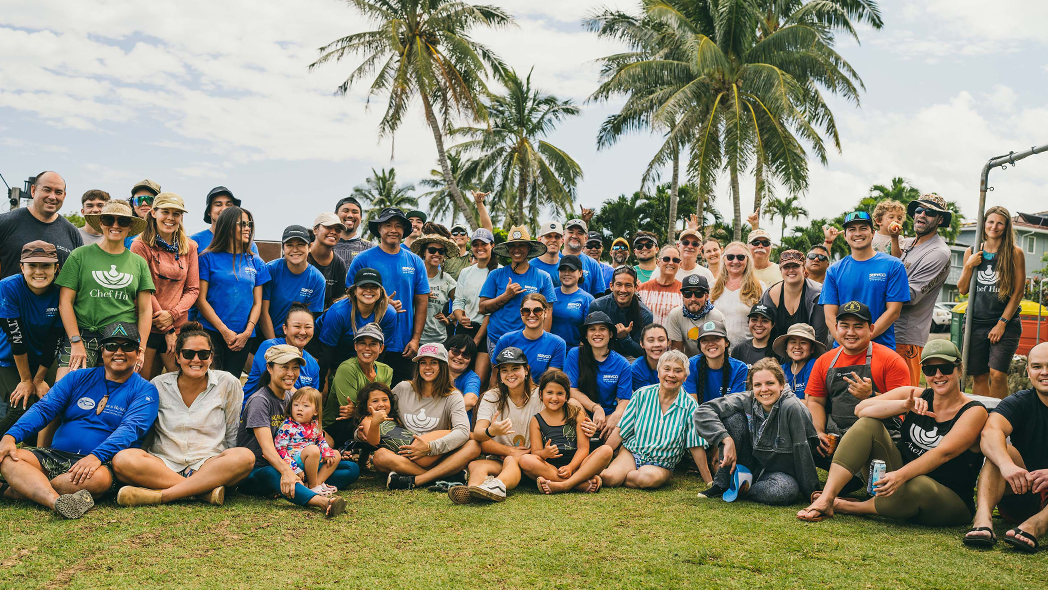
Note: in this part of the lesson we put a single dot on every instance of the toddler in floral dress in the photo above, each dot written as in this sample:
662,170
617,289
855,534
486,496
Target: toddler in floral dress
300,442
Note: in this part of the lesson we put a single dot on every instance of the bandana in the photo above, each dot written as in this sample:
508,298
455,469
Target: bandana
160,243
696,316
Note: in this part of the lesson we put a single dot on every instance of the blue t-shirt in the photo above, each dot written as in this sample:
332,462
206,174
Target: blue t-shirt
568,313
614,379
544,352
334,327
737,373
507,318
128,415
593,281
469,382
230,287
553,270
308,376
403,277
609,272
799,381
643,375
38,315
874,282
285,287
203,240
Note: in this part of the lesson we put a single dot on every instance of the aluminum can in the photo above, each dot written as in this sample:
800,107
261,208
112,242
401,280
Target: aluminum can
877,469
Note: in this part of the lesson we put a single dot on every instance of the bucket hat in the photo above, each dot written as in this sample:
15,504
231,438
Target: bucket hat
389,214
800,331
933,202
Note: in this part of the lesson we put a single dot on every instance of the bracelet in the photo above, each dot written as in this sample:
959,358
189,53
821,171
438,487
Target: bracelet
1002,319
486,433
252,322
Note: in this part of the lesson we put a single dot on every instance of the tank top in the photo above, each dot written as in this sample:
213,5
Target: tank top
783,318
986,307
921,434
563,436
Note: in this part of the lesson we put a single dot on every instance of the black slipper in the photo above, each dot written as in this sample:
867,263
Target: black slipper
980,541
1015,542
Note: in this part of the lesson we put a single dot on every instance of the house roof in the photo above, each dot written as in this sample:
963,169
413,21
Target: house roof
1037,222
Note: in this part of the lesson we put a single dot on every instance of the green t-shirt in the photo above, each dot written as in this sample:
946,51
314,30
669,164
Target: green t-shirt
106,285
348,380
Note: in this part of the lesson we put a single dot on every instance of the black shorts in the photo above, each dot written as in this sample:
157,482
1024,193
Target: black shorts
157,342
983,355
56,463
1018,509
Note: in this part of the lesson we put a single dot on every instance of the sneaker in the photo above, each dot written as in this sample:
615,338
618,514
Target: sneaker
460,494
492,489
320,490
215,497
136,496
396,481
75,505
714,491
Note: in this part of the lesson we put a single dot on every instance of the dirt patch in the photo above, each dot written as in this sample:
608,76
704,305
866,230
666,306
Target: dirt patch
17,557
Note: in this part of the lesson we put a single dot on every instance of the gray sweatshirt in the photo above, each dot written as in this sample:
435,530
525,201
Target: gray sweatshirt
426,414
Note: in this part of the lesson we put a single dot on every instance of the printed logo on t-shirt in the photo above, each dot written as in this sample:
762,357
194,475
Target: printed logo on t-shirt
575,305
925,439
408,270
988,276
610,379
51,312
544,357
112,278
85,403
879,277
420,423
305,292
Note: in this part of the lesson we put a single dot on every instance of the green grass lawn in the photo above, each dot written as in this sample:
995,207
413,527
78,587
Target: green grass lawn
614,539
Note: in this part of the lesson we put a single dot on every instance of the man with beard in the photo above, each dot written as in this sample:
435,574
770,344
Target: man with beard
349,244
620,252
576,233
595,249
927,260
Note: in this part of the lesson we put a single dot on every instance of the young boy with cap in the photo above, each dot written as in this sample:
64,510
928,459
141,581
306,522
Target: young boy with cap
292,280
761,321
326,231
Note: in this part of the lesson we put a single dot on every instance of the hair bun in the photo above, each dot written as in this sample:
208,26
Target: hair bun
192,327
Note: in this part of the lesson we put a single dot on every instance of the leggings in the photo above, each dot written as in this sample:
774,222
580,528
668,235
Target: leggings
265,481
226,359
772,487
921,499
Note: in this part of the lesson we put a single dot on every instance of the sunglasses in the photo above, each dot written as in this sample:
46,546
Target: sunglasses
819,257
200,354
124,346
619,248
694,243
930,370
672,259
644,245
458,233
243,224
592,245
924,211
142,200
739,257
457,352
690,294
527,311
435,250
114,220
761,243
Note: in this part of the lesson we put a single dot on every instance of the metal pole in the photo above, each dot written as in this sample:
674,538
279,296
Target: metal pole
1002,162
1040,299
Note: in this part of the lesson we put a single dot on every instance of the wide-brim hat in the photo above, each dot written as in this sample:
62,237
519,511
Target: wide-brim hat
419,245
800,331
598,318
117,208
935,203
388,214
519,234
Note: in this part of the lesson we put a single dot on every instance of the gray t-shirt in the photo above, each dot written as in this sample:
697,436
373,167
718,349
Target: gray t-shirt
88,238
440,288
519,417
19,227
682,329
426,414
927,266
262,409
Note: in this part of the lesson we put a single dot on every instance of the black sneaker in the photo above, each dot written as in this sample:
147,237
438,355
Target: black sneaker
714,491
461,477
396,481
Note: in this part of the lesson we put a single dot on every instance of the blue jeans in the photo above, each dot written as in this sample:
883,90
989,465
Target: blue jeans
265,481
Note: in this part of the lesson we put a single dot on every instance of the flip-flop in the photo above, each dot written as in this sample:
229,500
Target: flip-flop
817,493
1015,542
336,506
821,516
980,541
599,484
543,485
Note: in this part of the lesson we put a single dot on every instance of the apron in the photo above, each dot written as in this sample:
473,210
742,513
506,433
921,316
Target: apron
840,411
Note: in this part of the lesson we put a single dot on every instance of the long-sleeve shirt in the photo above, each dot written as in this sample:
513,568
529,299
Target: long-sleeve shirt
630,345
177,281
293,437
122,424
927,268
187,436
467,294
426,414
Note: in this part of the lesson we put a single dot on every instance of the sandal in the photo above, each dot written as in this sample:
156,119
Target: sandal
336,506
819,515
595,485
980,541
1015,542
543,485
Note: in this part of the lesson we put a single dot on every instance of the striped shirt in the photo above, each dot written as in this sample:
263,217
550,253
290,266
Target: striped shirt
347,250
654,437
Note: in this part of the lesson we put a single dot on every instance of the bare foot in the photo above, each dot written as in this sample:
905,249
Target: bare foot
595,483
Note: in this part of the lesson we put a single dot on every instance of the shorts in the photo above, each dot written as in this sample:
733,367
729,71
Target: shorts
92,342
157,342
491,347
564,458
56,463
641,461
983,355
1018,509
911,355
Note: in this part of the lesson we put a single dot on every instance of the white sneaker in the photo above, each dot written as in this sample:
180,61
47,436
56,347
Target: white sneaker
492,489
320,490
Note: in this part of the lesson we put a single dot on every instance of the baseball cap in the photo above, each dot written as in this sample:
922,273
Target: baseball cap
854,308
483,235
433,350
460,227
120,331
858,217
712,328
170,201
146,184
328,220
758,234
370,330
571,261
692,232
694,283
595,236
344,200
741,480
576,223
941,349
761,310
596,318
511,355
39,251
293,232
416,213
284,353
791,257
367,276
551,227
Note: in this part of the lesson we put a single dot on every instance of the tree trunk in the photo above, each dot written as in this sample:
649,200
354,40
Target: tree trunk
442,156
700,212
736,202
671,225
758,193
782,236
522,192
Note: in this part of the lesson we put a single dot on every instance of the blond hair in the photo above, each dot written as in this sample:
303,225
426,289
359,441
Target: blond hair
751,286
312,396
1006,258
887,207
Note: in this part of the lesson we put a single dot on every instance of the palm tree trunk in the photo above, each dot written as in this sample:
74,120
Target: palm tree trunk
758,193
700,212
674,191
782,235
442,156
736,202
522,192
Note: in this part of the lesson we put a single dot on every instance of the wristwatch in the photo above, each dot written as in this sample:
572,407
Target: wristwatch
75,339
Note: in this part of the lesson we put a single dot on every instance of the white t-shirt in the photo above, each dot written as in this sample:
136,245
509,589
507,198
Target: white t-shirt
700,270
467,293
736,320
520,417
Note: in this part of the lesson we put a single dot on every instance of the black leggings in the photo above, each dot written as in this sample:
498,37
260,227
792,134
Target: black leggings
228,360
772,487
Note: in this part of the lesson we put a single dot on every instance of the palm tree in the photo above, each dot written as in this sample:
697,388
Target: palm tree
523,169
380,190
785,209
422,48
441,202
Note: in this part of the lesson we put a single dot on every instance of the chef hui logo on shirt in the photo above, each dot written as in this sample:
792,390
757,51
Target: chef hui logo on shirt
112,278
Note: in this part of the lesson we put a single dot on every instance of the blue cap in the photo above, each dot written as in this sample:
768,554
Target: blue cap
483,235
740,483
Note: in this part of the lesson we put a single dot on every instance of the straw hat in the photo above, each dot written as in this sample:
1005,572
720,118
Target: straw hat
800,331
117,209
518,234
419,245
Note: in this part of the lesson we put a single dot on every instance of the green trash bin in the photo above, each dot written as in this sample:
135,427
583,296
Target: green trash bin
957,329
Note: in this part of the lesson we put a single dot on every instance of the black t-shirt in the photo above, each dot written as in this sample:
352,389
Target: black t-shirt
19,227
1029,419
334,277
749,354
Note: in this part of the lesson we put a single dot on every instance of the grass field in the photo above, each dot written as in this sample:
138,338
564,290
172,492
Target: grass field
615,539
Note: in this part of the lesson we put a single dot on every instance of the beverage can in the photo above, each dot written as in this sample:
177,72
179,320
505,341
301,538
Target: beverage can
834,439
877,469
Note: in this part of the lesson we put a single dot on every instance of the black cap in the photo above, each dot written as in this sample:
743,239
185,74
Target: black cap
854,308
571,261
511,355
120,331
388,214
595,236
367,276
295,231
694,283
215,192
345,200
597,318
761,310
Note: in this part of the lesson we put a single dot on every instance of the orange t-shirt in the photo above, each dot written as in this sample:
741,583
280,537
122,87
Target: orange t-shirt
660,299
888,369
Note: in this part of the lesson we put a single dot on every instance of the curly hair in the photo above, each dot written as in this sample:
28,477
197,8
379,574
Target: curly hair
360,405
887,207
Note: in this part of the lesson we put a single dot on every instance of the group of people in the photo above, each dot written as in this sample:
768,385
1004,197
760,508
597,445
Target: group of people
445,360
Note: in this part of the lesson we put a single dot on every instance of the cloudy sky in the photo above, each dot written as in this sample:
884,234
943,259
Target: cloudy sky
196,93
